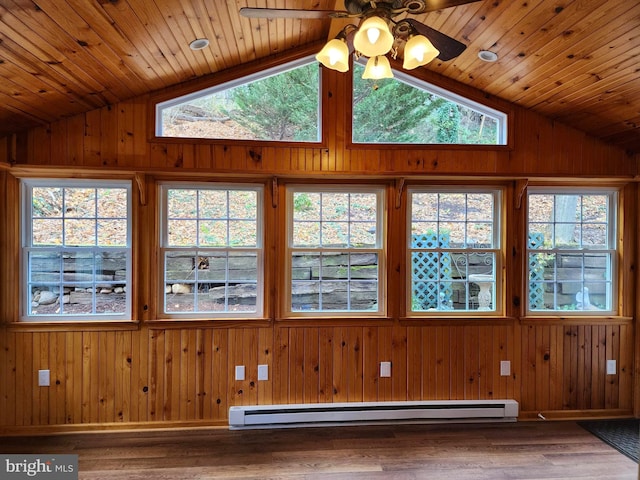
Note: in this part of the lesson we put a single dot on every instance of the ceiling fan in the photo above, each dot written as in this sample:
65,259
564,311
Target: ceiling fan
378,34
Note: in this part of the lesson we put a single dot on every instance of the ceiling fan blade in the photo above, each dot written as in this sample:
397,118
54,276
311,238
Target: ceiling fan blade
432,5
449,47
291,13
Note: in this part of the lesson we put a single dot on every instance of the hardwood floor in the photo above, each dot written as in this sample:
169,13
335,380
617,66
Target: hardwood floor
524,450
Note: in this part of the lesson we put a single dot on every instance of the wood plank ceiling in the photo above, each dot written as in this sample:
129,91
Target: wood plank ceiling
577,61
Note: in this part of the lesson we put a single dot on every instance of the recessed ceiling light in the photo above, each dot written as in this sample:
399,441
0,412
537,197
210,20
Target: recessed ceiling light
487,56
199,44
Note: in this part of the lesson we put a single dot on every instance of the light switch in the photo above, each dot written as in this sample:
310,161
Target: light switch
505,368
263,372
239,372
611,367
385,369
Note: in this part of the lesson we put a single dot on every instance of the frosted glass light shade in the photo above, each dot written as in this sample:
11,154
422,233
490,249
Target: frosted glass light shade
373,38
335,55
418,51
377,68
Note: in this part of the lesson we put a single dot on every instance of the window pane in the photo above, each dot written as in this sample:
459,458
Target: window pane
46,202
182,203
404,110
213,204
243,233
183,233
80,202
568,269
112,203
334,281
282,106
80,233
90,277
46,232
213,233
451,269
112,233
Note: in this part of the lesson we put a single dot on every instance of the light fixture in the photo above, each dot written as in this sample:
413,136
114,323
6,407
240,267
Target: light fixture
375,40
335,55
377,67
487,56
199,44
418,51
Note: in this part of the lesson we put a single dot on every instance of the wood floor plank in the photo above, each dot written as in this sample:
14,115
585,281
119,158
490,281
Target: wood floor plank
524,450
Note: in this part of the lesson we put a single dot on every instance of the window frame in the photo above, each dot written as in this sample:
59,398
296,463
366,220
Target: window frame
26,247
162,103
497,250
613,250
503,118
163,248
380,249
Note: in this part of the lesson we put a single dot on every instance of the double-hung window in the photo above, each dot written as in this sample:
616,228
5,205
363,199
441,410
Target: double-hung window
571,250
212,250
336,254
76,250
454,256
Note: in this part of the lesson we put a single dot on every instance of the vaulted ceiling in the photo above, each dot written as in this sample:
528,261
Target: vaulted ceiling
576,61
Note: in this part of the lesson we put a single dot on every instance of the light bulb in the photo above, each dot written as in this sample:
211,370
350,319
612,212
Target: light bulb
373,34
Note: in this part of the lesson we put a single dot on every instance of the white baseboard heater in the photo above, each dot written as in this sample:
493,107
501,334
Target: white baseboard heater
331,414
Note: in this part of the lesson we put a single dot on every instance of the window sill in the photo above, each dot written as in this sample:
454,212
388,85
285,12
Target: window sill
575,320
69,326
173,323
469,319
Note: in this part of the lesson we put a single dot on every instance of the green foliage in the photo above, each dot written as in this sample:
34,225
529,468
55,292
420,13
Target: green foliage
302,202
391,111
281,107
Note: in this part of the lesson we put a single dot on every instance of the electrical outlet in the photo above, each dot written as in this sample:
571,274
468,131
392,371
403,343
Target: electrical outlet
239,372
263,372
43,378
505,368
611,367
385,369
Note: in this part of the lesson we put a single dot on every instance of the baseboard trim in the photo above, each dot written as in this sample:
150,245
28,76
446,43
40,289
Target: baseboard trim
31,430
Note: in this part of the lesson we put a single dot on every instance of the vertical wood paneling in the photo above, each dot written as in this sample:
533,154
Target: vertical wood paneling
187,374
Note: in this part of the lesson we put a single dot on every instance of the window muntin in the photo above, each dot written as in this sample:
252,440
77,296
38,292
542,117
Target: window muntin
77,250
280,104
336,250
406,110
453,250
212,250
571,250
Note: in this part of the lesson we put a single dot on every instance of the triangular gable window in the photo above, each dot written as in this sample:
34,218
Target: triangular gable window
406,110
280,104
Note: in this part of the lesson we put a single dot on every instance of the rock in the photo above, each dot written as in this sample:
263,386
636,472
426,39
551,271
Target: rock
180,288
106,290
47,298
118,290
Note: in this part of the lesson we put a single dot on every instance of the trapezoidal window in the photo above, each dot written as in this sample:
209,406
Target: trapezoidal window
281,104
406,110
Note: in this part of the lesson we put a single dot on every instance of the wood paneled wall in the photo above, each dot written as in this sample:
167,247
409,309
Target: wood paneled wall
148,373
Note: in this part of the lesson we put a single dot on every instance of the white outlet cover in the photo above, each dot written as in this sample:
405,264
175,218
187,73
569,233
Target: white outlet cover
263,372
44,378
385,369
505,368
239,372
611,367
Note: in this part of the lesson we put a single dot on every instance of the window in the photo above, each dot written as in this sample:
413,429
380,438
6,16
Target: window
454,250
571,250
336,250
212,250
278,104
76,250
406,110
